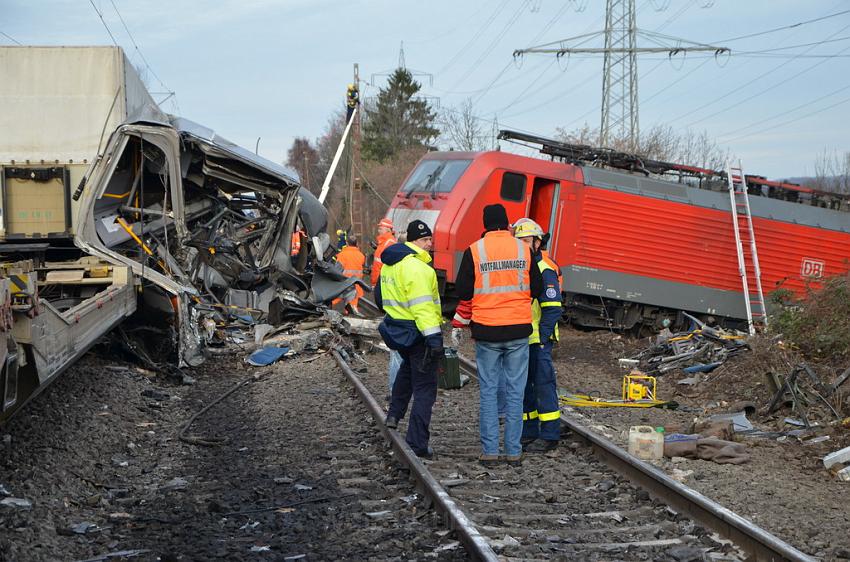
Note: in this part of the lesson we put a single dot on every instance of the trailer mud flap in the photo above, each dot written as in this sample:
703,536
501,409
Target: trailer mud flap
9,376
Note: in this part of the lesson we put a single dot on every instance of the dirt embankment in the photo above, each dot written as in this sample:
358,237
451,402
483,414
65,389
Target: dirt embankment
784,488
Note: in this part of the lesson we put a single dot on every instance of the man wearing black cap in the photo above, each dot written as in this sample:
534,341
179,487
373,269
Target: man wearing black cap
407,293
499,278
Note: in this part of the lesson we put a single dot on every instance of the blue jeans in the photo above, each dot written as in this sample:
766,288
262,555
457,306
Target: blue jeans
501,361
395,365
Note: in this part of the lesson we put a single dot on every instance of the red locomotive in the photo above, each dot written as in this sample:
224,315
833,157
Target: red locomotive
634,246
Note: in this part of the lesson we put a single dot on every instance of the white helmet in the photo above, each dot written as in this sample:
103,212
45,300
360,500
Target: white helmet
525,227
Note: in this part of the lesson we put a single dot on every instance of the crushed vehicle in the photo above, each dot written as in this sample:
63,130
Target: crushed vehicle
113,209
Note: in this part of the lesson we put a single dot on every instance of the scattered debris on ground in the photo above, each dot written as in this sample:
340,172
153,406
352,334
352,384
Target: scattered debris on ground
700,350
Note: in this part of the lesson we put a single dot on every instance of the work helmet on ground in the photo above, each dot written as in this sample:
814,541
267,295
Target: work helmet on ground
524,227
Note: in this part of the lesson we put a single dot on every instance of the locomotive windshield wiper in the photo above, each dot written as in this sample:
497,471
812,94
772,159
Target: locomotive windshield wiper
431,184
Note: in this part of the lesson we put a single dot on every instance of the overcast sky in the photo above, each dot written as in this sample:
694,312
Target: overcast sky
276,69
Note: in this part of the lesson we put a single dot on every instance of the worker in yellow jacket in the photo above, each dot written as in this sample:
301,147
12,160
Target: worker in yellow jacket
407,293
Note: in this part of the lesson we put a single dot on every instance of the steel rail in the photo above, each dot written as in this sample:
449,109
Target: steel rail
754,540
475,543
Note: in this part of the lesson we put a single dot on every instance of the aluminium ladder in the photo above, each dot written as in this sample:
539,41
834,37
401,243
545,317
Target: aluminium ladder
745,243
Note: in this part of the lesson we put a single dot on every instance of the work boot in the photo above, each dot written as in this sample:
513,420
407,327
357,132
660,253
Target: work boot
391,422
428,455
541,446
514,460
488,460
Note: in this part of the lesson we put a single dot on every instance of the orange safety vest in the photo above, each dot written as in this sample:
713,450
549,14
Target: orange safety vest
502,292
384,241
553,264
352,261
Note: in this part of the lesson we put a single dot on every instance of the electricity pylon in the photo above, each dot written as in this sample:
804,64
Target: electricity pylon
619,70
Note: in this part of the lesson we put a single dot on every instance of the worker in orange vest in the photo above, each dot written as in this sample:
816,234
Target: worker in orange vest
385,239
499,277
352,261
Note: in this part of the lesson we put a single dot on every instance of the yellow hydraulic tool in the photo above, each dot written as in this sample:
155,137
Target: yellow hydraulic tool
638,392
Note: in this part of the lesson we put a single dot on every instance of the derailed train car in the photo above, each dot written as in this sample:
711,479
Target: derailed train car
113,210
634,245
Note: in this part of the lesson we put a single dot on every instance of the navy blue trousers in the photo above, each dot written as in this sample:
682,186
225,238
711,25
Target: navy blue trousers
541,409
418,380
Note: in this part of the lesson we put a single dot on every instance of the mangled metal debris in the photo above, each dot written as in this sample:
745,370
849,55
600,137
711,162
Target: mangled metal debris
699,350
220,236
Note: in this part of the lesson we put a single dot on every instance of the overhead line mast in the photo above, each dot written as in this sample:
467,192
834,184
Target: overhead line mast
619,76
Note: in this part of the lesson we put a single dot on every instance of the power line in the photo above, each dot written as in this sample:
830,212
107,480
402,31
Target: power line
706,60
475,37
594,109
136,45
763,91
10,38
483,92
527,88
845,100
793,25
815,43
493,43
785,112
103,21
752,81
585,114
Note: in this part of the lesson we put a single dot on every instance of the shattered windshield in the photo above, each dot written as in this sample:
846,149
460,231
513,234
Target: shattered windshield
435,176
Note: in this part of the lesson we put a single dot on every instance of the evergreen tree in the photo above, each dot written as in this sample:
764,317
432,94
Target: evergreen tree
398,120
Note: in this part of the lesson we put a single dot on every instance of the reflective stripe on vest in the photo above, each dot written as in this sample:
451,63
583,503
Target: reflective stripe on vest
409,292
411,302
502,291
487,268
551,263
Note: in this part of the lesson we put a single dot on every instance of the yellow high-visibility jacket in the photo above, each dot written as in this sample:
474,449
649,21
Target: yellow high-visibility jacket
408,294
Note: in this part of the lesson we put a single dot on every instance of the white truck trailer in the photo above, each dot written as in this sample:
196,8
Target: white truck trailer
56,106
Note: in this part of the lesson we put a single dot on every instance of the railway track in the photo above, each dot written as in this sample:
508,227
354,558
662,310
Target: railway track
587,500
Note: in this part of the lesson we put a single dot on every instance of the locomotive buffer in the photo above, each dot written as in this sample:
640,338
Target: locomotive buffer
745,243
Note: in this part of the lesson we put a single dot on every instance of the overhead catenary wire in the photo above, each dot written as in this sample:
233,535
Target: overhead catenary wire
10,38
138,50
103,21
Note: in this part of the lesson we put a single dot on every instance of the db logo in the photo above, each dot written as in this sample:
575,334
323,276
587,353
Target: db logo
812,268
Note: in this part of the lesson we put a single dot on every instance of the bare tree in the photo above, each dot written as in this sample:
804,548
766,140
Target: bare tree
832,171
462,130
661,142
304,158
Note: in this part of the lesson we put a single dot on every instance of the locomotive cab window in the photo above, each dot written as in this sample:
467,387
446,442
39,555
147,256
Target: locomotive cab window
513,187
435,176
